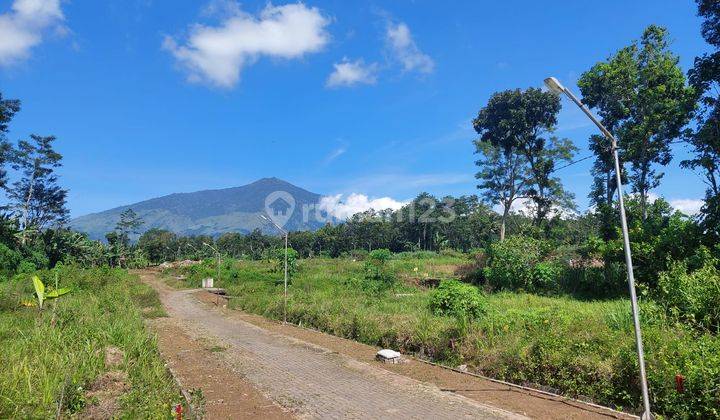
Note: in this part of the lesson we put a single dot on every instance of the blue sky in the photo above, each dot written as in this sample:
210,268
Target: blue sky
151,97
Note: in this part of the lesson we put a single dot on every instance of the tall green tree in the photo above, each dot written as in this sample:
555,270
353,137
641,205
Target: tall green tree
642,95
705,139
8,109
547,192
520,156
36,197
418,221
129,224
159,245
503,178
118,240
608,87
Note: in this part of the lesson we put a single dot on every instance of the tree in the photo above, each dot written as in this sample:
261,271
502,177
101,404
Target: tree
504,178
36,196
608,87
8,109
642,96
159,245
418,221
119,240
473,225
129,224
519,158
705,139
548,192
604,186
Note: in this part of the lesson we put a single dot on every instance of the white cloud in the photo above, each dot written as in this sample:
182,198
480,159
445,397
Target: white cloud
349,73
335,154
688,206
217,54
404,49
527,208
22,27
356,203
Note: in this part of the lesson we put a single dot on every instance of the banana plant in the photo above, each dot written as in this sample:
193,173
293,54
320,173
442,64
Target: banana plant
42,296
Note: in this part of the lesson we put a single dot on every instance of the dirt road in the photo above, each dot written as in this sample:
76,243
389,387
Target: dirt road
248,367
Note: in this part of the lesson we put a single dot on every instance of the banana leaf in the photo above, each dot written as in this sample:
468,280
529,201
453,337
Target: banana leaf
39,290
57,293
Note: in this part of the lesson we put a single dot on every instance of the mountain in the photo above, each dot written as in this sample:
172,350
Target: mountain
214,212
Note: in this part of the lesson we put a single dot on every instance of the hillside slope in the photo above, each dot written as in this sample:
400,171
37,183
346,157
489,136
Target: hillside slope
214,212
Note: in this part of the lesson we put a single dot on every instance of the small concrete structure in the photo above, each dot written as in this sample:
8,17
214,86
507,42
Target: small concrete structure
207,283
388,356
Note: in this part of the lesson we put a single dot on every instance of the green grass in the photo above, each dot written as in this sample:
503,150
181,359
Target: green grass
42,362
579,348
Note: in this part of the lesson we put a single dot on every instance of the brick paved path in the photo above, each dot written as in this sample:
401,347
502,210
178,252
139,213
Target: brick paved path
312,381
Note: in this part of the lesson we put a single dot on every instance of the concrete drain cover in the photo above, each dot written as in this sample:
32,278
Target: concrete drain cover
388,356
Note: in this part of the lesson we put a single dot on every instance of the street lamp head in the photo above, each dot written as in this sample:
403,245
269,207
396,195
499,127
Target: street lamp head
554,85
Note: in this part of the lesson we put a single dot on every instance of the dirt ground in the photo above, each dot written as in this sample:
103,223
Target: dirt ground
230,391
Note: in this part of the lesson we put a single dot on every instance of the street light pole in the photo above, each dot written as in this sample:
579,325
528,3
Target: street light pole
554,85
284,232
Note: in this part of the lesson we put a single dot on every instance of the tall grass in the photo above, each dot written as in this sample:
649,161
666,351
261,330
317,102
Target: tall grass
44,364
580,348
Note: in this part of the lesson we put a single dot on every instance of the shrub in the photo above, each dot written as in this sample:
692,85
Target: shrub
546,276
9,260
511,263
461,300
376,266
596,281
26,267
279,258
691,296
37,257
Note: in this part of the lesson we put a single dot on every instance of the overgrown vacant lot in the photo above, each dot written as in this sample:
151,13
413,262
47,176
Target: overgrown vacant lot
580,348
46,364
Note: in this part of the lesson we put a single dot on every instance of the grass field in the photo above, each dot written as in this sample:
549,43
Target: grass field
579,348
51,367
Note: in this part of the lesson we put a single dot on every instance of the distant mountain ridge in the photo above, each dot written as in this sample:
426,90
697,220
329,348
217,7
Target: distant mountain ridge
211,212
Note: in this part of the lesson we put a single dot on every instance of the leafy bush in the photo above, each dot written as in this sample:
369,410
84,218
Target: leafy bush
26,267
454,298
278,255
511,263
692,296
9,260
376,266
546,276
595,281
37,257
